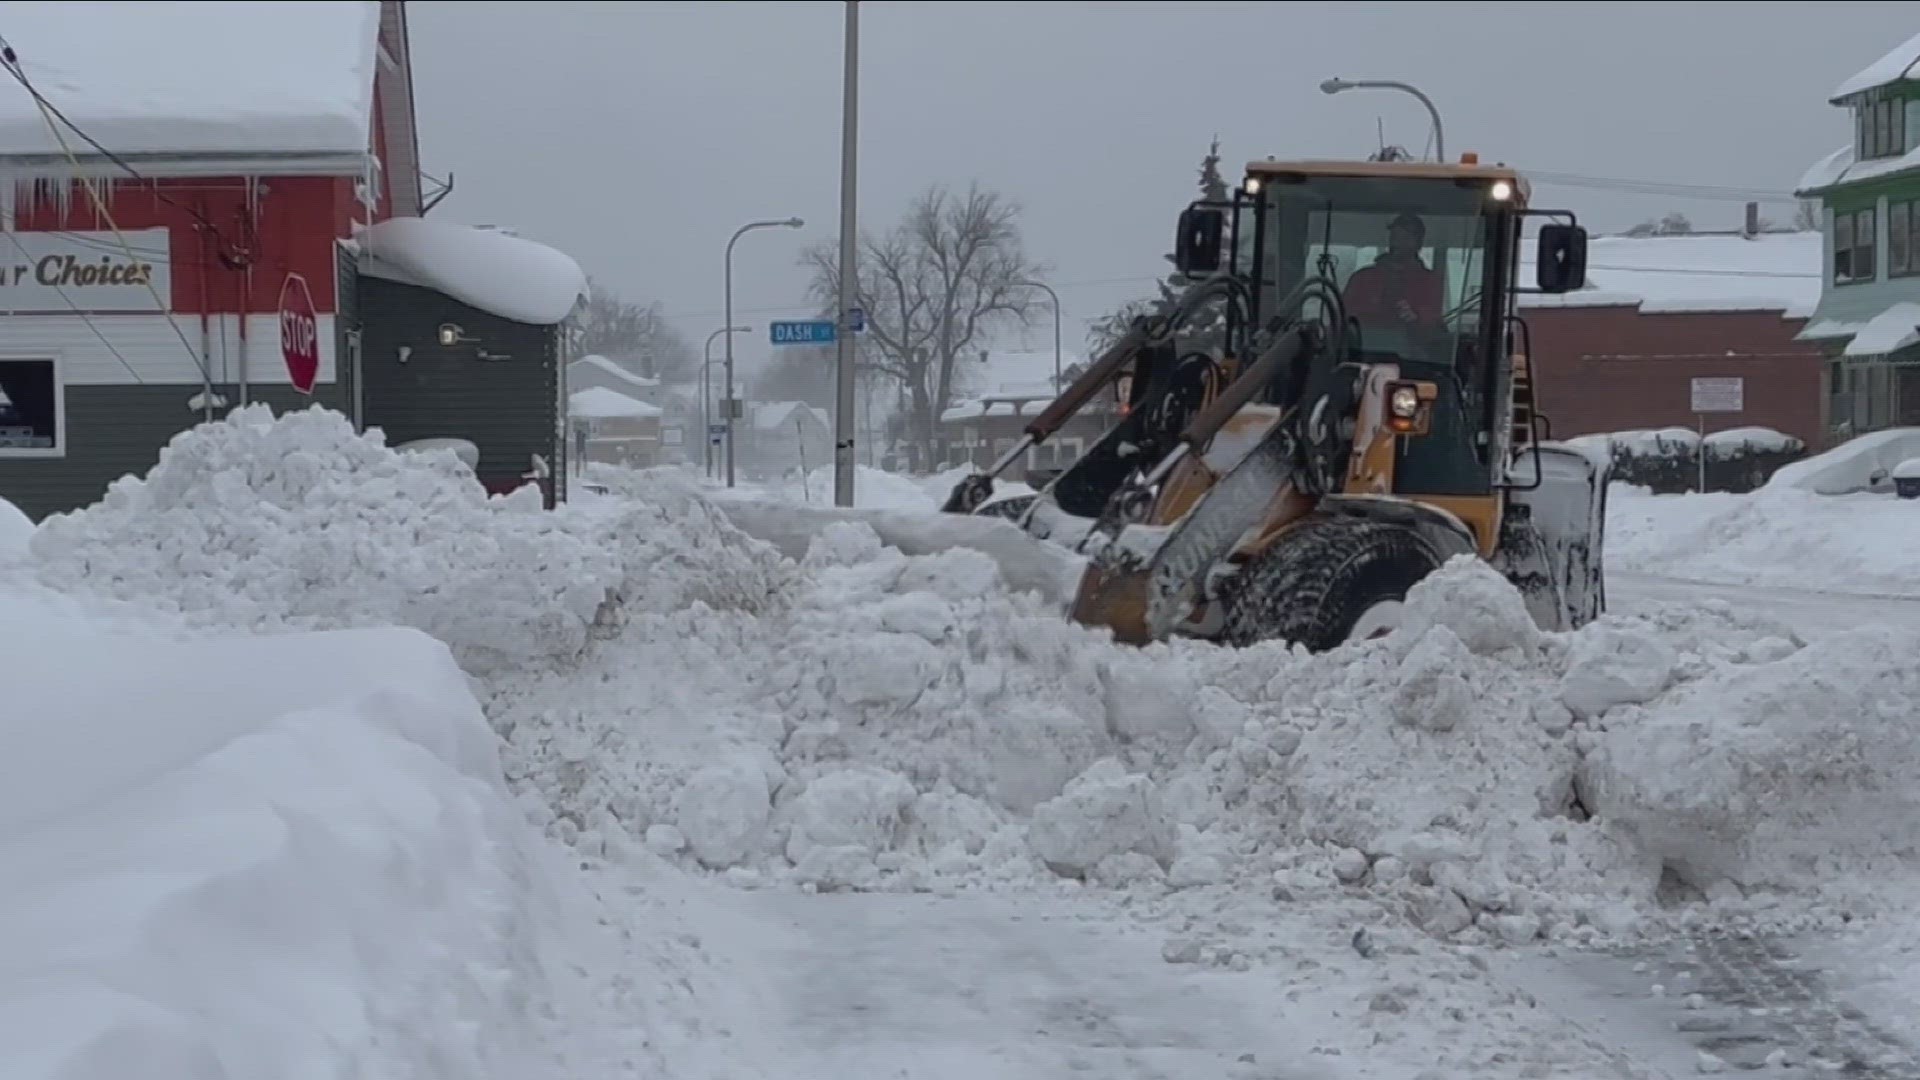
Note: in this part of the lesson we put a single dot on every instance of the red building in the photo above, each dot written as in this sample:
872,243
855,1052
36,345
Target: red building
184,167
1661,311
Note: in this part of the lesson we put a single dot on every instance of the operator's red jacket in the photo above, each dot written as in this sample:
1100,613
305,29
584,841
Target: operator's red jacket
1374,292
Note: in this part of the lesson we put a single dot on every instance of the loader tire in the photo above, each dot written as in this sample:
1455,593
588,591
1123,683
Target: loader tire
1319,578
1006,508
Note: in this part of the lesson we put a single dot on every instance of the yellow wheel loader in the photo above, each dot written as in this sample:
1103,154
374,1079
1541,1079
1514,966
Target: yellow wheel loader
1365,415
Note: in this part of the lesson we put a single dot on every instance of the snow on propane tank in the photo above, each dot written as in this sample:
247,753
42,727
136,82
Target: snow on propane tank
499,274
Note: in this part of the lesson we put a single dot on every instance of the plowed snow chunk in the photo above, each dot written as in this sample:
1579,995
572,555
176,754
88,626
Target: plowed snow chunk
958,574
1432,693
1104,811
1614,665
1792,774
1473,600
1148,702
854,808
723,811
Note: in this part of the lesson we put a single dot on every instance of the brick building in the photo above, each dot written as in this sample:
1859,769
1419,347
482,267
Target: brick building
1660,311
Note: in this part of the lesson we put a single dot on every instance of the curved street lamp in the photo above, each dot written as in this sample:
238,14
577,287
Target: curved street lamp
1335,86
1048,289
706,388
771,223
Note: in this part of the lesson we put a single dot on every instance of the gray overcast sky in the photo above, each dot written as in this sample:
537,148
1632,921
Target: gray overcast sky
637,136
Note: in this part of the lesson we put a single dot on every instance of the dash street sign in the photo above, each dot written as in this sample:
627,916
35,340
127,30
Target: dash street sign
807,332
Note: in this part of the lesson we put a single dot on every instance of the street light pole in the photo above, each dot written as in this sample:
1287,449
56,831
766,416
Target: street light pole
843,460
706,391
1048,289
779,223
1335,86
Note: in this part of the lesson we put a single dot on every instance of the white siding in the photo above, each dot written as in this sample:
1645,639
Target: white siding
152,351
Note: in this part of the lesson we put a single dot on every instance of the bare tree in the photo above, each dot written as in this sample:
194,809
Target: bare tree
933,287
635,336
1807,216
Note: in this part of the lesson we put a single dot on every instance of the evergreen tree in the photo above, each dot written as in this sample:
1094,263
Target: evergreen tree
1204,327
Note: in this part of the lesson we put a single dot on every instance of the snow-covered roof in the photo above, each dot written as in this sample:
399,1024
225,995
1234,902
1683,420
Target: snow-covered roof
1896,328
1840,167
600,403
1663,274
1902,63
1012,373
601,363
503,275
997,385
191,78
772,415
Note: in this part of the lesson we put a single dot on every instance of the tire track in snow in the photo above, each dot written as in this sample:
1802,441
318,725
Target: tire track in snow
1745,1002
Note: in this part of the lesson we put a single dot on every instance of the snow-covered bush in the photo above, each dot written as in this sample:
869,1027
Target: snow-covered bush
1666,461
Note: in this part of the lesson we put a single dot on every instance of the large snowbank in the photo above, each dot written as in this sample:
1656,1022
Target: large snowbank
500,274
196,77
16,528
853,705
262,856
1773,538
909,724
301,522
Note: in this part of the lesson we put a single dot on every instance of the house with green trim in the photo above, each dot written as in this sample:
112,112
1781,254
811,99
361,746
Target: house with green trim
1868,320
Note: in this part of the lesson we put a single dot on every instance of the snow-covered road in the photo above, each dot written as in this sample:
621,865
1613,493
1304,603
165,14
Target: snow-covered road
930,988
1807,611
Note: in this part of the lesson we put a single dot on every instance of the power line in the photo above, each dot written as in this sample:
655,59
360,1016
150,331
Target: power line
1626,186
11,61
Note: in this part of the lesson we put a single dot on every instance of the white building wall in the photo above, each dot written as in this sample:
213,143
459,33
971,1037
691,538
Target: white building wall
150,350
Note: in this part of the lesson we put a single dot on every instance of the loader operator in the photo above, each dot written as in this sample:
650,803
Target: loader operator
1398,291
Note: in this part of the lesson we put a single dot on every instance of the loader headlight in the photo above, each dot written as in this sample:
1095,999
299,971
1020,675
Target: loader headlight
1403,402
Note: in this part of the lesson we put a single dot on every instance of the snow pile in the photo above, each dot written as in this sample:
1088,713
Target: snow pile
1785,775
300,522
1773,537
16,531
500,274
859,704
909,723
316,867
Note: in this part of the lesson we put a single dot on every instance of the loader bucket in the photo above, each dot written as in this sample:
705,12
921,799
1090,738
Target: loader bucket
1552,532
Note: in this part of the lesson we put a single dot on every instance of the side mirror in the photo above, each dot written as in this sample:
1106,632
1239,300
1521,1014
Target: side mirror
1562,263
1196,249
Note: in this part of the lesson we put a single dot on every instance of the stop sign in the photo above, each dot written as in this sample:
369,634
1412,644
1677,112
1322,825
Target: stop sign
299,334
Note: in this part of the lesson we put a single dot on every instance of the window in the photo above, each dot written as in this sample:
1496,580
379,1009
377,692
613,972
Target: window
33,420
1351,222
1880,129
1903,239
1853,247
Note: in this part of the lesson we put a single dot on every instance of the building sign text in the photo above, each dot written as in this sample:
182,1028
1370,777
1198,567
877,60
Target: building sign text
85,271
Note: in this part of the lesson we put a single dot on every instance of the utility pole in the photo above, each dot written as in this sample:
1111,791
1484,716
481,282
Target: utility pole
843,459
